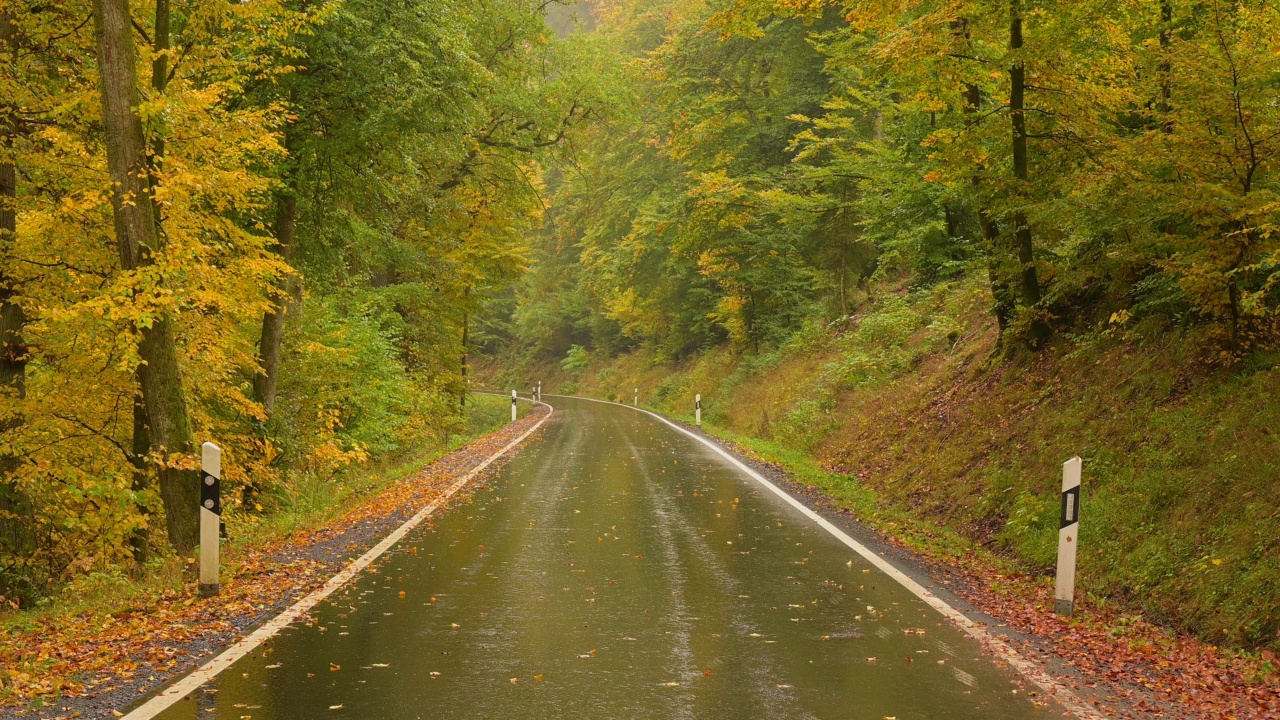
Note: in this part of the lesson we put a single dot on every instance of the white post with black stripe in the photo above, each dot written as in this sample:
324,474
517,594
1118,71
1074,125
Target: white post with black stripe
697,409
636,400
1068,538
539,390
513,406
210,516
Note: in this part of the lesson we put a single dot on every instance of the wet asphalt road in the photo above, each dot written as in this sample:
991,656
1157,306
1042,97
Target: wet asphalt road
617,569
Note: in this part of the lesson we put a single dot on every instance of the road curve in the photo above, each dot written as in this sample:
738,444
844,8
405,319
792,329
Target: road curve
617,568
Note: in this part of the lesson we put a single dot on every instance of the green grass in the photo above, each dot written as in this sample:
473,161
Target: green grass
907,418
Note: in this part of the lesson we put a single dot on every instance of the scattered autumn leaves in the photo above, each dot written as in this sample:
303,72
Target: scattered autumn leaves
141,646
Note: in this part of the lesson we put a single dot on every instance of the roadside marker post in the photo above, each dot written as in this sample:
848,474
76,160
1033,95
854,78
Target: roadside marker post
1068,538
210,516
697,409
513,406
636,400
539,391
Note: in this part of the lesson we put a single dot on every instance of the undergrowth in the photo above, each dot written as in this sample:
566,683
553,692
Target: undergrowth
308,501
909,413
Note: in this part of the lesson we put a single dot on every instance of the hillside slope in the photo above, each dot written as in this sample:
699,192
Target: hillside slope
910,414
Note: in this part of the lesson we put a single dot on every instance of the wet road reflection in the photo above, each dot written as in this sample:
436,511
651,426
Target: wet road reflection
617,569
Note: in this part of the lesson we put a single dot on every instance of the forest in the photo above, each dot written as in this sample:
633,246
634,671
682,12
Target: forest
1096,163
299,228
922,253
264,224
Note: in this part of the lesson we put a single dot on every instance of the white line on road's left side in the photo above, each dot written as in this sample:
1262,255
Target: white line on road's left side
250,642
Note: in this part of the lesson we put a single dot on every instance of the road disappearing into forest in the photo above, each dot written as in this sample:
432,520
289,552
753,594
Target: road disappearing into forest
617,568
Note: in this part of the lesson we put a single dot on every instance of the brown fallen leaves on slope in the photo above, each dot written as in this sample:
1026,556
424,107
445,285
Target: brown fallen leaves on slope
142,647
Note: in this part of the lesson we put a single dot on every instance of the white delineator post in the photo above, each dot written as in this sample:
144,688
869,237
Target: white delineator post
539,390
210,516
1068,537
697,409
636,401
513,406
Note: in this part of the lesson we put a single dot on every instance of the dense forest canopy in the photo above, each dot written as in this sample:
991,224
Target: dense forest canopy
768,161
265,224
286,225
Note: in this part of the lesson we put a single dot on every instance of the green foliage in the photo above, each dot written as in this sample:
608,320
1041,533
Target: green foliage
369,171
763,161
576,360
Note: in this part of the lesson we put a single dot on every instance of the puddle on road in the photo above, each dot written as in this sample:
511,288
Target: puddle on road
617,569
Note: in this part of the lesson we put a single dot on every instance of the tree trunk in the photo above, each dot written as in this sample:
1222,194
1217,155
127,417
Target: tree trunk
462,397
1030,283
1002,302
266,382
1166,67
159,374
141,445
13,351
844,276
141,475
159,81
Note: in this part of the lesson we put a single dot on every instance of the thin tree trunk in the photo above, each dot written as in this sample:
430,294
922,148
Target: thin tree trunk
159,374
13,351
1002,302
1030,283
844,276
141,475
462,397
1166,66
265,384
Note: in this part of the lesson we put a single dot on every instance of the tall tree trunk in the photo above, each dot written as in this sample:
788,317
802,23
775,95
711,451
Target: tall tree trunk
159,374
1166,66
1030,283
13,351
141,445
1002,301
844,276
462,396
266,382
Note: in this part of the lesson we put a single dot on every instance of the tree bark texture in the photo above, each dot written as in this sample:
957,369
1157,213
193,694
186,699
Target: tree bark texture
159,374
265,384
13,350
1002,301
1030,283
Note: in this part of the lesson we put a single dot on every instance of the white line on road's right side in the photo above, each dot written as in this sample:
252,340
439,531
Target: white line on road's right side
1002,650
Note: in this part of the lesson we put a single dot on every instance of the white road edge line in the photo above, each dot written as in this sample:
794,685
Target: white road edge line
1051,687
253,640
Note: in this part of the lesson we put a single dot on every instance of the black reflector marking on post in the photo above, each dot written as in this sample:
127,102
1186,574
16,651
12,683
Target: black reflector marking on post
1070,507
210,493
